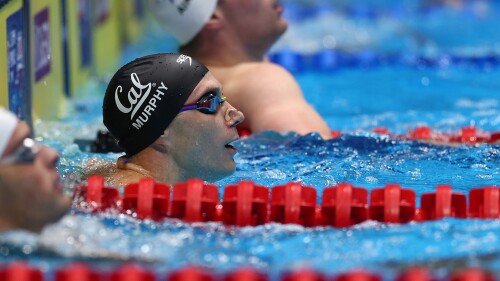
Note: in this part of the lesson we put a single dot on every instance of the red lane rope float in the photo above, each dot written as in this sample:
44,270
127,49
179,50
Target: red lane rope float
77,272
443,203
132,272
191,273
469,135
98,196
195,201
392,204
473,274
335,134
20,271
416,274
245,274
245,204
293,203
243,132
250,204
358,275
344,205
150,200
484,203
303,275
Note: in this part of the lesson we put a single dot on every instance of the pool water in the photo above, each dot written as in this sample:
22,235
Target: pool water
402,97
353,100
429,28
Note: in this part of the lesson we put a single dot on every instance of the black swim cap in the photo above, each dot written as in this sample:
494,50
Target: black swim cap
145,95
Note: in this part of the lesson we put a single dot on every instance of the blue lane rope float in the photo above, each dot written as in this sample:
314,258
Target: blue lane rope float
330,60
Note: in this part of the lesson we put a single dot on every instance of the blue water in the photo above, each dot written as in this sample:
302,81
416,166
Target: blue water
400,98
353,100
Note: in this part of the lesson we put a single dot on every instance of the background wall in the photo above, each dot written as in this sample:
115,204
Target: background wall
50,48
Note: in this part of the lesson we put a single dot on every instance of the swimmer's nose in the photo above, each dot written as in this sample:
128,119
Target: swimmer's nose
49,157
234,117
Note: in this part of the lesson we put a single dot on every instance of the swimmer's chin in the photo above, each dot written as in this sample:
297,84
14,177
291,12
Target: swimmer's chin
221,174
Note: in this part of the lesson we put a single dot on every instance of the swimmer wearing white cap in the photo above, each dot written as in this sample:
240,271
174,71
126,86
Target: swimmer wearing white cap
30,189
190,16
8,125
232,38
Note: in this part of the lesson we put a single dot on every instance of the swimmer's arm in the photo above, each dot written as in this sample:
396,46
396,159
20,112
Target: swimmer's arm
271,99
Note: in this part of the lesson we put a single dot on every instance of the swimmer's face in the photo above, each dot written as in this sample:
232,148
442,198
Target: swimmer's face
264,16
200,143
31,191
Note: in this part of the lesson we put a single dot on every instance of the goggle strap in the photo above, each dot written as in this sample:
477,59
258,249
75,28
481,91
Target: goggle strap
210,105
189,107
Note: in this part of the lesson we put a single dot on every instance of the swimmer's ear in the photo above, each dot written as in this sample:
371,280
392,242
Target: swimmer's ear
216,21
161,144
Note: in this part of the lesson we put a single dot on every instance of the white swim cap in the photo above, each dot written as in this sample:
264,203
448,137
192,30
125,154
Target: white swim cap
183,18
8,123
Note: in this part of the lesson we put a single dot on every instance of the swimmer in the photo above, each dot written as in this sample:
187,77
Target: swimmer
232,38
168,113
30,189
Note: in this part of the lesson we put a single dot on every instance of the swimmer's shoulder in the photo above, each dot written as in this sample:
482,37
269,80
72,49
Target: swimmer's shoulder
256,80
99,167
256,75
249,70
121,178
261,70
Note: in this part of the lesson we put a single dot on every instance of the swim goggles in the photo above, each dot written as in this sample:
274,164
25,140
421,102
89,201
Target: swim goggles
208,106
24,153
